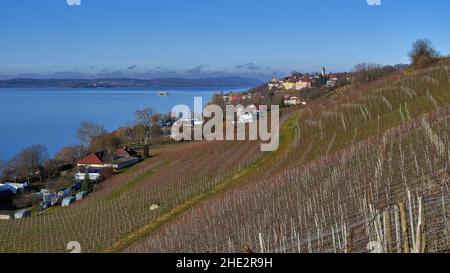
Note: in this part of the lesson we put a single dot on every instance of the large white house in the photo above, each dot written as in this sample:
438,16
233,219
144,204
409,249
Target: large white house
297,83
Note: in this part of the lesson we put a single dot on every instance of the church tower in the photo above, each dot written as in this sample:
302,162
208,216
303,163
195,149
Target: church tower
323,72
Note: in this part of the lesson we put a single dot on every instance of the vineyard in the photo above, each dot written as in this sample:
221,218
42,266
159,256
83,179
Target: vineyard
364,168
368,169
123,203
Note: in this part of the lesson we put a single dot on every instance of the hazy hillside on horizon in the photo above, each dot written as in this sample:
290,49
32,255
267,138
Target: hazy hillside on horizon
127,82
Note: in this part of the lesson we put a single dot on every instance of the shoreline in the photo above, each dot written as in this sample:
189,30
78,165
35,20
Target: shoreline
55,119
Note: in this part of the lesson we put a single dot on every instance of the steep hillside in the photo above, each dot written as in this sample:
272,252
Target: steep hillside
368,163
363,164
122,204
42,81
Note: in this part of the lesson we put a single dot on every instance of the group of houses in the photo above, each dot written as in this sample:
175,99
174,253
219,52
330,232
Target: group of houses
234,97
331,80
298,81
247,114
89,168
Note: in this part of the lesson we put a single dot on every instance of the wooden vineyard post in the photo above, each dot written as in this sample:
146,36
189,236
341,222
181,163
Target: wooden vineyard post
387,231
261,243
420,244
398,241
424,239
411,219
334,239
350,242
404,225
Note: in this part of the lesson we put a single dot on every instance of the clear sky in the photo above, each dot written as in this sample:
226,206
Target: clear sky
205,37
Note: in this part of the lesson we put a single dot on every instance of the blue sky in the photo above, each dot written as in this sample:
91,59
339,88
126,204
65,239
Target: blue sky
212,37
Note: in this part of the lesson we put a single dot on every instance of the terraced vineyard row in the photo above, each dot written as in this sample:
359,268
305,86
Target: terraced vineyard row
347,165
122,204
360,153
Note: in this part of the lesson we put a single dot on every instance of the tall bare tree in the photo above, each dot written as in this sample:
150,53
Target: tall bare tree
105,142
367,72
70,154
144,118
125,134
28,162
423,53
88,131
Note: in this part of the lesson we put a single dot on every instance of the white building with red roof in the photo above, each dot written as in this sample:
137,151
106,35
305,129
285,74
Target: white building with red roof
121,159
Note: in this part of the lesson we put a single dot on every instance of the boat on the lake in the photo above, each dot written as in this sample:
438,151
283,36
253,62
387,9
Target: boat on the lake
163,93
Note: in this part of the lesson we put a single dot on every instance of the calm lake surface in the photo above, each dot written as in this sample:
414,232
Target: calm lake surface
50,117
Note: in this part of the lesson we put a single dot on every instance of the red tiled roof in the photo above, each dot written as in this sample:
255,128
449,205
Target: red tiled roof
306,79
122,152
91,159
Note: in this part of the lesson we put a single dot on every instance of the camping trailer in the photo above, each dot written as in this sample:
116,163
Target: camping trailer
5,215
68,201
64,193
81,195
22,214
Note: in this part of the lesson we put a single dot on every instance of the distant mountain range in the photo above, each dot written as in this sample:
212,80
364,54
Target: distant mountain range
130,83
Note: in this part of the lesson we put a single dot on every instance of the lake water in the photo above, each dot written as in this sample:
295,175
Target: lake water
50,117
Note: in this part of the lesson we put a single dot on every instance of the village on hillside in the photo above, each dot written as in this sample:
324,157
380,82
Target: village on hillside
294,89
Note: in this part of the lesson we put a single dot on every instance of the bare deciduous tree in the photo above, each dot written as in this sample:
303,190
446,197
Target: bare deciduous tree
105,142
144,118
423,53
88,131
367,72
28,162
125,134
71,154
